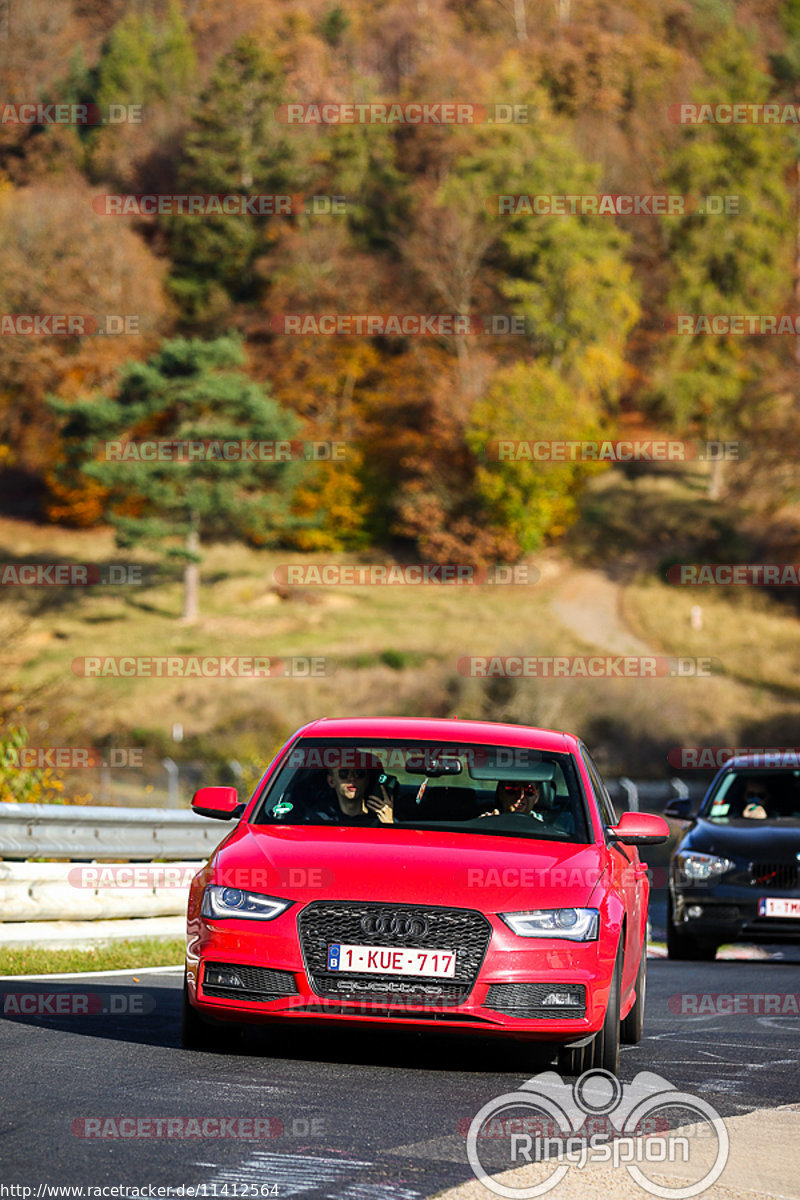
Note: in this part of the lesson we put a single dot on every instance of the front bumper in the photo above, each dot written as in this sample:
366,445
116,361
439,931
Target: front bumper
505,998
728,913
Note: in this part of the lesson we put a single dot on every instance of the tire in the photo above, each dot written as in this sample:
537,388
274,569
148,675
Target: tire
633,1025
572,1060
683,948
198,1033
194,1034
603,1052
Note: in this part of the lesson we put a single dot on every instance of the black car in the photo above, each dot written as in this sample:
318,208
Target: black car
735,875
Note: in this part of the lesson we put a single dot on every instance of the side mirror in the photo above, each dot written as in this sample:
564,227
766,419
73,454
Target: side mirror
219,802
680,808
639,829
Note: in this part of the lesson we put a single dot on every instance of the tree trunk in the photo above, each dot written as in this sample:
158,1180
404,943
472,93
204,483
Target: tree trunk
520,20
716,479
797,258
191,579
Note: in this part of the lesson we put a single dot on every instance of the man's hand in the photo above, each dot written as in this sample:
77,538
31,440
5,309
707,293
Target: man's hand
382,806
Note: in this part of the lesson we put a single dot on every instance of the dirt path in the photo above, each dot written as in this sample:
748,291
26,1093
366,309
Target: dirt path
588,604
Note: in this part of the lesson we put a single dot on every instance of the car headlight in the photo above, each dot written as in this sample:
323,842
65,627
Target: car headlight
575,924
233,902
701,868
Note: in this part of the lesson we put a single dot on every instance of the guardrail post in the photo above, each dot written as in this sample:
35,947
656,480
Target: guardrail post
173,772
631,793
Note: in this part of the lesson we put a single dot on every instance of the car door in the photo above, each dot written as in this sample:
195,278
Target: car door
629,874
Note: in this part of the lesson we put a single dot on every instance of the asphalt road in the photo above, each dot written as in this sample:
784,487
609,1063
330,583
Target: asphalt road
353,1115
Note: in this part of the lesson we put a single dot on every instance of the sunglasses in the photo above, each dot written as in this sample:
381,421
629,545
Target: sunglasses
519,787
351,773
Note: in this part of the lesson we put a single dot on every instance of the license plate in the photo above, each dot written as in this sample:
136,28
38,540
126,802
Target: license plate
778,907
374,960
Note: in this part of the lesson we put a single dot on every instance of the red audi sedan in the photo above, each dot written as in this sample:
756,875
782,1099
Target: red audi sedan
446,873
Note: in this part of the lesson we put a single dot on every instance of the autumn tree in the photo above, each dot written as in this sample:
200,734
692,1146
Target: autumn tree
58,257
729,262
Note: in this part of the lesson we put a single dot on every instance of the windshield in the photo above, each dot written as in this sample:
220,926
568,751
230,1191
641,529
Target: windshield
753,795
503,790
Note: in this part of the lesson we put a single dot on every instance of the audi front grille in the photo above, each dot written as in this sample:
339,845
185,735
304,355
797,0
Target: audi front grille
322,924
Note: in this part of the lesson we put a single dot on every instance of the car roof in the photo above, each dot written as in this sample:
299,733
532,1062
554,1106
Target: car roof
760,761
448,729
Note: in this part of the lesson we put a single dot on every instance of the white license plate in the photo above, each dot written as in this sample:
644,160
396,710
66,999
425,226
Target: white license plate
778,907
392,960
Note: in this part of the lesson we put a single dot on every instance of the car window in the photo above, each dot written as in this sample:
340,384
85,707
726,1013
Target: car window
752,794
479,789
604,802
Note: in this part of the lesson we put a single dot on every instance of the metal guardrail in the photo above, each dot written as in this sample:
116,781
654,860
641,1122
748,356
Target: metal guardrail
92,832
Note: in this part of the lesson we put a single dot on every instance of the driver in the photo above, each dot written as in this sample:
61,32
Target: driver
512,796
515,796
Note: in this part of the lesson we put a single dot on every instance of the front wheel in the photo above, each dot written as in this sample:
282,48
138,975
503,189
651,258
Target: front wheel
603,1052
684,948
200,1034
572,1060
194,1034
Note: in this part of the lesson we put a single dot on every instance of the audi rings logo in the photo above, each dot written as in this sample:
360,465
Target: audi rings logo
395,925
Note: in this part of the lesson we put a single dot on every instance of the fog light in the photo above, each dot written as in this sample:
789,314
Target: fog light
694,910
222,977
563,1000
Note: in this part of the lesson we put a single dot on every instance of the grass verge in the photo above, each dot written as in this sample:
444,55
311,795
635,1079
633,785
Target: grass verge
112,956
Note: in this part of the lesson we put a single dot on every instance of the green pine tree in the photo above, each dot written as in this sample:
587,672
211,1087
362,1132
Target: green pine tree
234,146
189,391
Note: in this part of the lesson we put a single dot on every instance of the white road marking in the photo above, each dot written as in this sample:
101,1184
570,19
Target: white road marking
293,1173
171,970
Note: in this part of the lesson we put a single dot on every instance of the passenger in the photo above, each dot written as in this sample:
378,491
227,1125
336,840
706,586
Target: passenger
352,796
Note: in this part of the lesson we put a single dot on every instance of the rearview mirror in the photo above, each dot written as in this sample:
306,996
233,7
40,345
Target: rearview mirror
220,802
639,829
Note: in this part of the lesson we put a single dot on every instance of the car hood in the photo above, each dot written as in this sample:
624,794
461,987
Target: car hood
409,866
748,839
